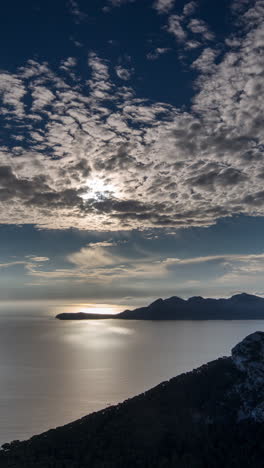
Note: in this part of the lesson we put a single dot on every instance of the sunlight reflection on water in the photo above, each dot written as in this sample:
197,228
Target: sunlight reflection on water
96,334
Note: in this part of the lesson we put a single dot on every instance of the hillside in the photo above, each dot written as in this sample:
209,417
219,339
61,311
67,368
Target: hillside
211,417
238,307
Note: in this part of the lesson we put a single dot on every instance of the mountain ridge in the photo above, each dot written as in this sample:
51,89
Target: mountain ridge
241,306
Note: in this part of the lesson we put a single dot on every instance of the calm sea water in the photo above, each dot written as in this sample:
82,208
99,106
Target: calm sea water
52,372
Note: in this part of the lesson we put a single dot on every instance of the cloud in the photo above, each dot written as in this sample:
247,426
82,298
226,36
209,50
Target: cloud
12,91
205,63
75,42
11,264
198,26
42,97
95,255
218,272
239,5
123,73
102,244
189,8
111,160
249,258
163,6
178,25
157,53
190,44
68,64
175,27
108,263
116,3
76,12
39,259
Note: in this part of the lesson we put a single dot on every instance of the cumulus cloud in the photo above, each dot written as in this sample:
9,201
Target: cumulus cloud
110,160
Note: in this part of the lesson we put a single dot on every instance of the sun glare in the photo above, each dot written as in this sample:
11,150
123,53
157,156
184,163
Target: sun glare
97,188
88,308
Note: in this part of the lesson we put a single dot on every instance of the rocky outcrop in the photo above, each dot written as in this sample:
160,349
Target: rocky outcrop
248,356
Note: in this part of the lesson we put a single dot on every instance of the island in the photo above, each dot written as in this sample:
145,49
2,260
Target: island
238,307
210,417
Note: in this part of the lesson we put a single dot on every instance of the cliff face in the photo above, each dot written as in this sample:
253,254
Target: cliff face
212,416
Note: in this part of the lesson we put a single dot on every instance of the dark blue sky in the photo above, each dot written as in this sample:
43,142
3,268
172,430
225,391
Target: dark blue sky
131,148
46,31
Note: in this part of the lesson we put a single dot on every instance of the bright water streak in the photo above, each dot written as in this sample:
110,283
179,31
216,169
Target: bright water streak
52,372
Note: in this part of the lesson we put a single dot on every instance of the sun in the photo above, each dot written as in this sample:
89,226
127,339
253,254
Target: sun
97,188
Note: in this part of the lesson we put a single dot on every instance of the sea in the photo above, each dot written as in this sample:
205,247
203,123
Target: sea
53,372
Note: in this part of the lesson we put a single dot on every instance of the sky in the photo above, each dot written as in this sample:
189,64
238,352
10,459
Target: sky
131,150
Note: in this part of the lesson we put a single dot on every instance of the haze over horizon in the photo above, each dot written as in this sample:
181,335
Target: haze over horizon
131,156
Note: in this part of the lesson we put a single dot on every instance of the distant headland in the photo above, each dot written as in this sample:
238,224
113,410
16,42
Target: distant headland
238,307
